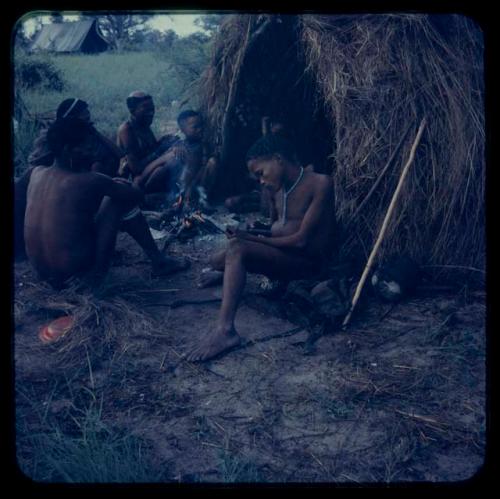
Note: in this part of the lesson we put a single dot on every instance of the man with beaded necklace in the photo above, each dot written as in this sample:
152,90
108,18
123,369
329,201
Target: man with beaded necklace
302,236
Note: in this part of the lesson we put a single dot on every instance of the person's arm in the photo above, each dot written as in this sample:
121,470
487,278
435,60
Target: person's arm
120,189
130,147
310,222
273,212
167,158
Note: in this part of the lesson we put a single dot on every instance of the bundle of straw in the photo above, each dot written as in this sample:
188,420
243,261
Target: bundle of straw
379,74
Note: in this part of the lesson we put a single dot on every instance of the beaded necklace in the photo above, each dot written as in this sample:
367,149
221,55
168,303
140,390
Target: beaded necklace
286,193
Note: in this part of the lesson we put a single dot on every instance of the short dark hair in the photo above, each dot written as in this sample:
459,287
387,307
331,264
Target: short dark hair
269,145
70,107
133,102
66,132
188,113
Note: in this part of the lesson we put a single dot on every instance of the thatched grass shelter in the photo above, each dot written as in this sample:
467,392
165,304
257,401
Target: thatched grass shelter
354,89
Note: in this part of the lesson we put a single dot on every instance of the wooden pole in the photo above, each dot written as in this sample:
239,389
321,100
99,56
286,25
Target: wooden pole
379,179
385,224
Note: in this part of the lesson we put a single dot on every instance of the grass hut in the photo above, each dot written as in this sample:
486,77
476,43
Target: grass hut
354,88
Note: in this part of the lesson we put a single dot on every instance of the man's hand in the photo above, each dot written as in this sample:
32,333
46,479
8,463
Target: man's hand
121,180
234,232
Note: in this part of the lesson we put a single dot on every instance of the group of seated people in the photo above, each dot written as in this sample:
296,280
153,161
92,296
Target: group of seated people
169,164
81,189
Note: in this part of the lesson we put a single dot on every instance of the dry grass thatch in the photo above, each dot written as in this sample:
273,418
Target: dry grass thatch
227,53
380,75
376,77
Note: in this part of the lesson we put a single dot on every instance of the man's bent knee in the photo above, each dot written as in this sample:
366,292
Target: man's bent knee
217,260
236,249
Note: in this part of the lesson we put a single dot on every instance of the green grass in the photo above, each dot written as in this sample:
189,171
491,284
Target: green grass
91,452
104,81
237,469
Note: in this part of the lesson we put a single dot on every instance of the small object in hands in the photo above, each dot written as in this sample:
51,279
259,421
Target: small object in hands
258,225
395,279
260,233
56,329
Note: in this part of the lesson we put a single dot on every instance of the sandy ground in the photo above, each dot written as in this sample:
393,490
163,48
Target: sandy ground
399,396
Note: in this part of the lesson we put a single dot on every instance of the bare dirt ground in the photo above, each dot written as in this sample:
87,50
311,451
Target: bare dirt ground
399,396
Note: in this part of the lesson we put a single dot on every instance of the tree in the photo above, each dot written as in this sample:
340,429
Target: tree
23,39
56,18
153,39
120,29
210,23
189,55
169,37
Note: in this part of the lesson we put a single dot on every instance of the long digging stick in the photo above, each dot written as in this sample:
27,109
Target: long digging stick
385,224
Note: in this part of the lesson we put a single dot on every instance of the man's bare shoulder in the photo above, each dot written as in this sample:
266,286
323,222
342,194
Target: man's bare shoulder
36,170
86,177
321,181
39,173
123,129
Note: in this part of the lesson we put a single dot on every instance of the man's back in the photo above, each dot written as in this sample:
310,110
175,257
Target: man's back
59,220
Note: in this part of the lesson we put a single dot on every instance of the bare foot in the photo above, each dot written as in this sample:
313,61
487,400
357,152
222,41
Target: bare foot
210,278
215,344
167,266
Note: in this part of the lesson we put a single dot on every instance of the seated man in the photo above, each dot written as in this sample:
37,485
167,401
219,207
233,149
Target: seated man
185,167
136,139
301,241
105,154
72,215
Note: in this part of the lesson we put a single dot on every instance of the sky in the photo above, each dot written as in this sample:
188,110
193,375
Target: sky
182,24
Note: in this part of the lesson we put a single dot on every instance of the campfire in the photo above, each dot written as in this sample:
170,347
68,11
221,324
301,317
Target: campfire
184,225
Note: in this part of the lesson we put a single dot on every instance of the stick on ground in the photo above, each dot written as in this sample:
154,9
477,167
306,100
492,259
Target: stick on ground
385,224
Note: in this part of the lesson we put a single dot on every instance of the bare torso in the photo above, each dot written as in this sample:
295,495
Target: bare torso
322,240
59,221
137,142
